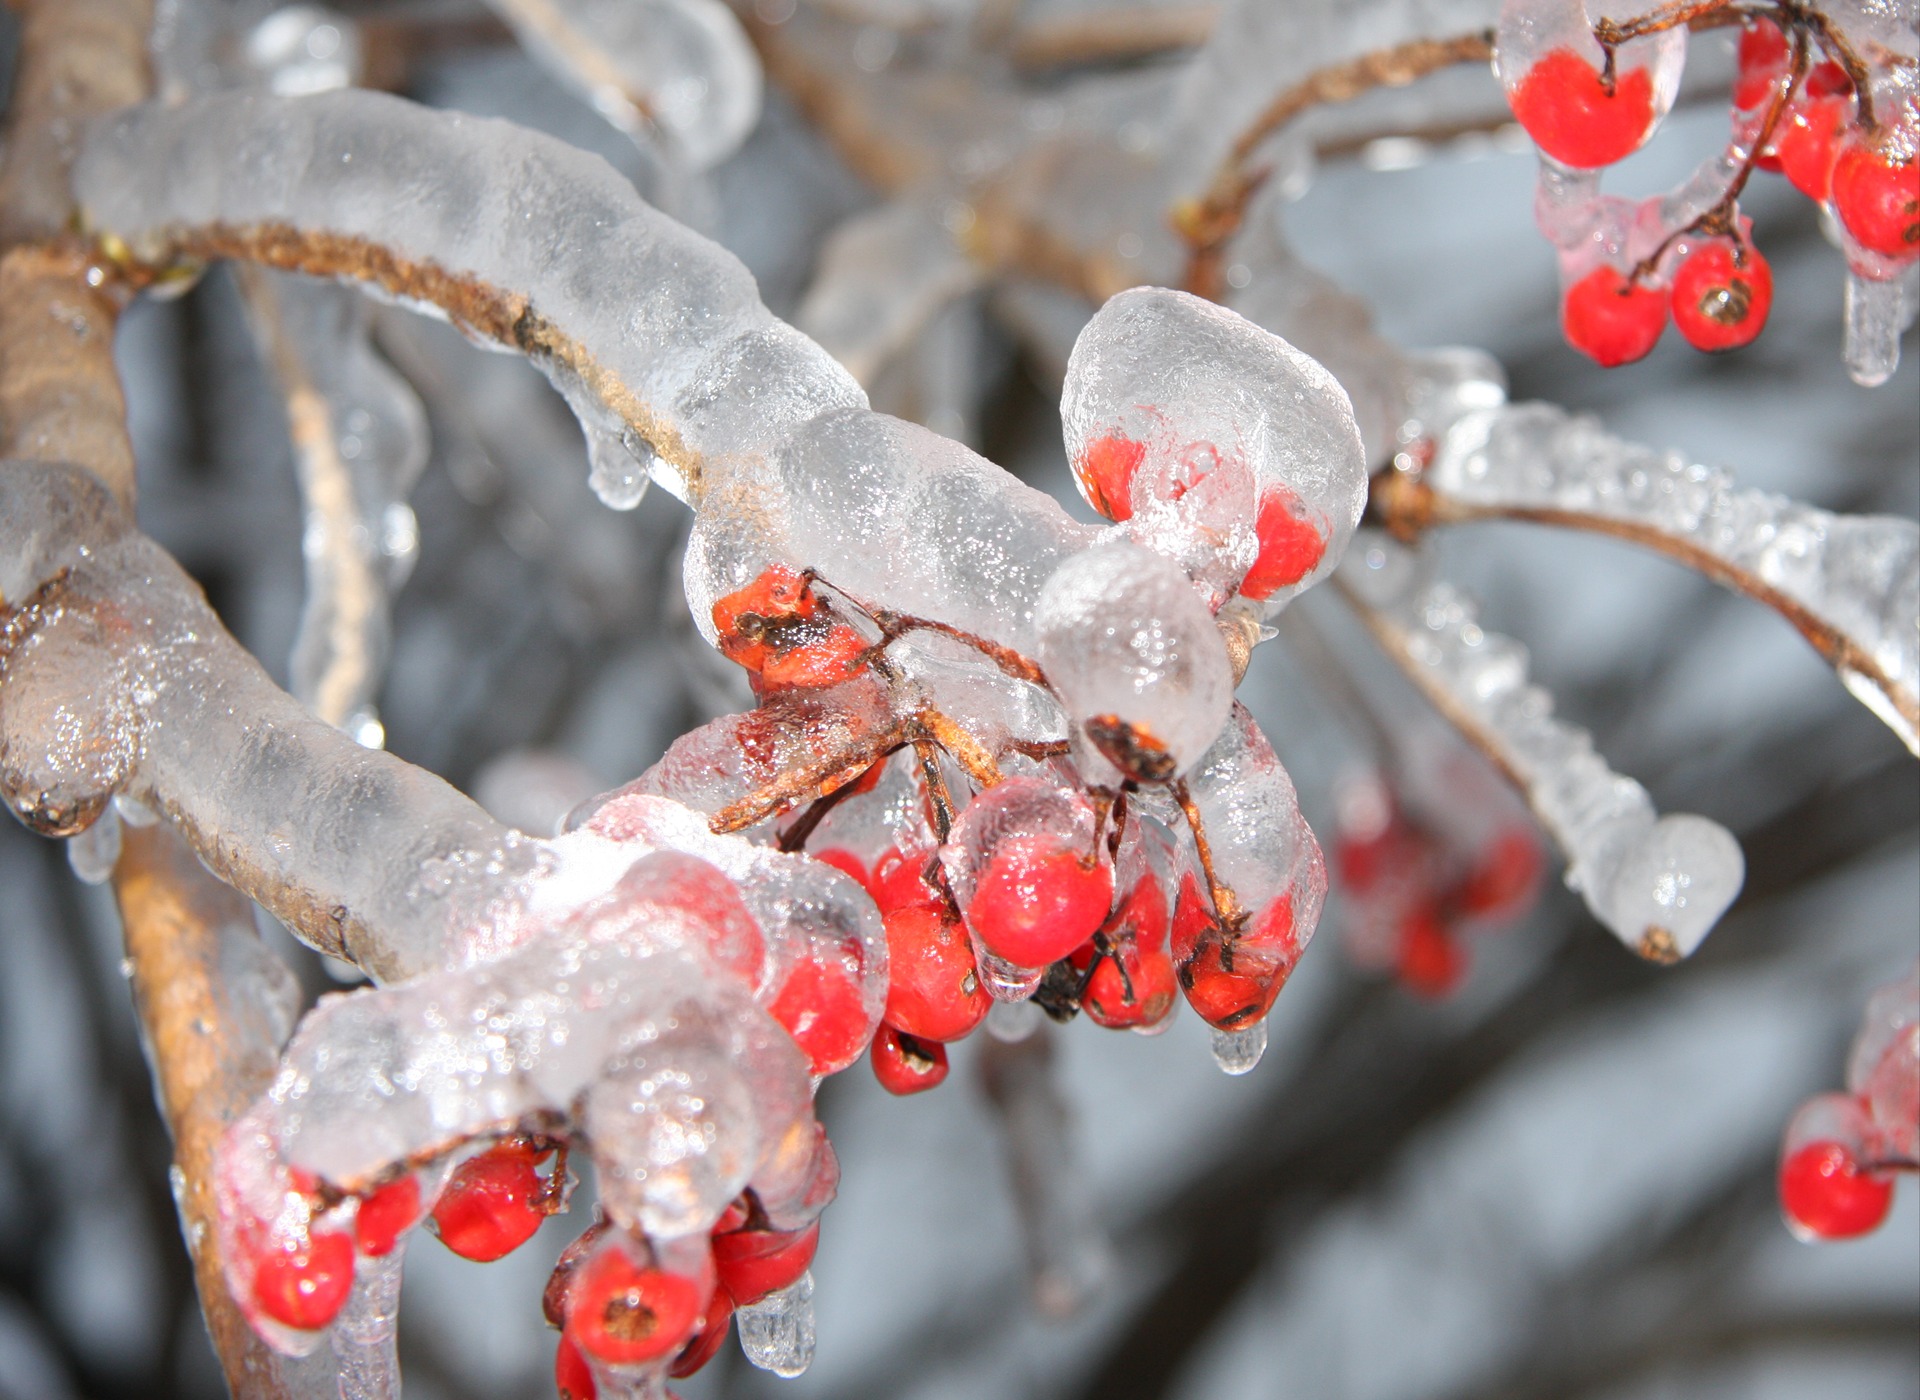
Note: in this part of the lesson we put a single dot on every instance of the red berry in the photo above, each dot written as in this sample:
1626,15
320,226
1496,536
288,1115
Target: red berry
1431,959
1231,978
1806,141
1611,320
1135,984
1826,1195
622,1313
1722,292
754,1263
386,1215
713,1331
1878,200
572,1377
847,863
306,1285
822,1008
899,881
933,991
1037,901
1106,469
777,628
493,1204
1568,111
1764,57
905,1064
1504,878
1291,545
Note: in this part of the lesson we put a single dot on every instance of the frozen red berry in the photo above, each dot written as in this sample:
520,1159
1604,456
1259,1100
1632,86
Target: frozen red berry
1826,1195
778,629
713,1331
1503,878
899,880
1807,142
1878,199
1430,960
1722,292
572,1377
1037,900
754,1263
1133,984
905,1064
1765,55
1292,543
933,991
1574,115
385,1215
1610,319
1231,976
1106,469
305,1284
493,1203
821,1005
623,1313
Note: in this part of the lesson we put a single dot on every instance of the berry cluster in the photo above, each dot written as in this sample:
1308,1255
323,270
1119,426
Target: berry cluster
1842,1151
1415,890
1837,114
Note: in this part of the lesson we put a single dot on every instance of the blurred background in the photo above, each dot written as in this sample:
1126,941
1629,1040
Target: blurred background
1554,1181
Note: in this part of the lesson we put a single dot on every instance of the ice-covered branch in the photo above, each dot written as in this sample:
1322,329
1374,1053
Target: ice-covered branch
1658,883
1850,584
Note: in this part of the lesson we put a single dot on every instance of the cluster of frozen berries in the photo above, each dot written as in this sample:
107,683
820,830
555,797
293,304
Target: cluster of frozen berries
1838,116
1842,1151
1415,891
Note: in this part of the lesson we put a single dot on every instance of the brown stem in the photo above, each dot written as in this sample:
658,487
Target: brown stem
936,784
1225,903
1110,36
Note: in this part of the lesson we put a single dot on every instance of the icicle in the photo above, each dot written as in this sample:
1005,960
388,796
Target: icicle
1878,313
1237,1052
776,1333
365,1340
94,852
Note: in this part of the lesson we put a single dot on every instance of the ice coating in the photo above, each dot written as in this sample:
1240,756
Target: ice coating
1659,884
1530,30
683,68
1883,1068
365,1337
1134,655
1261,845
776,1333
1878,313
1202,390
1857,575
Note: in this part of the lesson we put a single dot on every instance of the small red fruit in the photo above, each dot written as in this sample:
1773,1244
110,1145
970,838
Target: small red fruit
1291,545
1502,881
1807,140
1879,200
899,881
305,1286
1722,292
1134,984
933,991
1611,320
623,1313
1764,56
572,1377
1106,472
821,1006
1572,115
493,1204
777,628
386,1215
1826,1195
1232,978
713,1331
1431,959
754,1263
1037,900
847,863
905,1064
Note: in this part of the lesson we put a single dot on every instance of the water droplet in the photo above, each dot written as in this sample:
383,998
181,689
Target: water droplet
776,1333
1237,1052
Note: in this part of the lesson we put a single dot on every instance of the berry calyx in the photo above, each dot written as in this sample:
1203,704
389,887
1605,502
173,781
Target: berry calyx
1105,471
493,1204
905,1064
622,1313
753,1263
1878,199
706,1342
572,1377
1722,292
821,1005
1291,545
1826,1195
933,991
1611,320
1038,900
1576,117
305,1285
386,1215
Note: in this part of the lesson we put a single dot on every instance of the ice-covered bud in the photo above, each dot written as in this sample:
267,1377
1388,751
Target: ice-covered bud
1135,657
1029,873
1667,888
1172,402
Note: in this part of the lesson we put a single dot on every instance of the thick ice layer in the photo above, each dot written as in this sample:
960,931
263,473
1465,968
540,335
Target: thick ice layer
1658,883
1856,575
1135,657
1261,845
1167,393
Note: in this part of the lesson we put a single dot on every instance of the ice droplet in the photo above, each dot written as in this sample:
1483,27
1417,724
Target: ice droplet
94,852
619,462
1237,1052
776,1333
1011,1022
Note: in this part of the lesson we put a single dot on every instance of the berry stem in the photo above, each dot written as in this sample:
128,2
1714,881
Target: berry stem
1226,905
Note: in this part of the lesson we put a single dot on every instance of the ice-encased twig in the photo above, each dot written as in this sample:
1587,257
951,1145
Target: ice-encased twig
1849,583
360,441
1658,883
